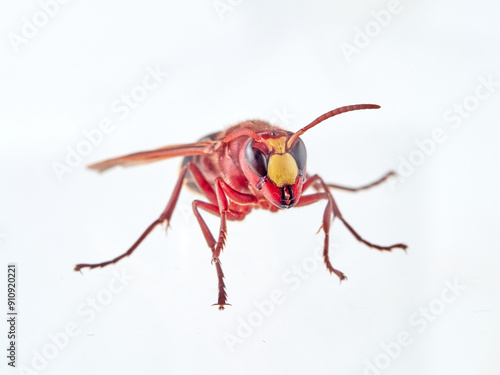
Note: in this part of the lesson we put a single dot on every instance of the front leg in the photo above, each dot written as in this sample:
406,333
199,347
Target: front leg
223,193
337,213
333,210
328,218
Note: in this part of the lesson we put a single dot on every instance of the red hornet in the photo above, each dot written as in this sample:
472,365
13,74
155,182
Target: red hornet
250,165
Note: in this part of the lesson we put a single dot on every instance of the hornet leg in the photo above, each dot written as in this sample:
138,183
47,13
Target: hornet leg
364,187
221,209
332,209
164,217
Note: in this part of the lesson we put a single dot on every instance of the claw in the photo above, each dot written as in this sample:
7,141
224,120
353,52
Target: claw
221,305
339,274
402,246
165,223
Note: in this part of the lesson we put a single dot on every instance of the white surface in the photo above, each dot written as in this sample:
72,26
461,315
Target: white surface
258,59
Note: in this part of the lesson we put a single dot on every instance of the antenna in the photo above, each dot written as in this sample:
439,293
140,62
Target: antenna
327,115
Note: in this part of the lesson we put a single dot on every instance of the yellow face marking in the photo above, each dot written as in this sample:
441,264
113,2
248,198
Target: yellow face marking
282,169
278,144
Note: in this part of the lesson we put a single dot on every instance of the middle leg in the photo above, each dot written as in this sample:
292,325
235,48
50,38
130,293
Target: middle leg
328,218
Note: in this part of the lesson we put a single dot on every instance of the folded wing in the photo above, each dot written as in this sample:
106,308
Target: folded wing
144,157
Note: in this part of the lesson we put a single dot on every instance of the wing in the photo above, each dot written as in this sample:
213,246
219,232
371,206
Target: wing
144,157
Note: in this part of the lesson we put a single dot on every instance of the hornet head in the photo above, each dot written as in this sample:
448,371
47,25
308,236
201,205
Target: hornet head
274,161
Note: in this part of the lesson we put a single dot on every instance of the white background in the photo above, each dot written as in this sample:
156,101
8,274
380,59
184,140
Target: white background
253,61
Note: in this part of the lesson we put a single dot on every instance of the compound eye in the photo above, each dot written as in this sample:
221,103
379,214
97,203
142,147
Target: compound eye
299,153
256,160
